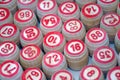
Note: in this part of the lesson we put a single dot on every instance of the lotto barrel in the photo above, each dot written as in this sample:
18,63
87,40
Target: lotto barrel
91,14
108,6
117,41
110,22
33,74
96,37
105,58
91,72
31,35
73,29
10,4
52,62
76,54
31,56
114,73
62,74
45,7
30,4
49,23
5,16
9,51
68,10
25,17
54,41
9,32
10,70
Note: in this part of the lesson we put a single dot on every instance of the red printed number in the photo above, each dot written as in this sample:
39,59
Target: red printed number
29,51
24,14
55,57
73,25
46,4
63,77
9,70
2,13
118,75
52,39
112,19
33,73
75,47
91,73
7,31
68,7
30,33
6,48
96,35
91,9
51,20
105,54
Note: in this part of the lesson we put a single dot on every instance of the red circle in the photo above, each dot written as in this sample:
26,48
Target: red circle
37,54
118,34
61,71
18,19
69,42
29,69
58,21
2,2
107,2
72,20
9,24
57,52
91,16
32,27
96,53
7,13
54,4
82,72
13,52
103,18
9,61
56,33
111,70
88,34
27,3
60,8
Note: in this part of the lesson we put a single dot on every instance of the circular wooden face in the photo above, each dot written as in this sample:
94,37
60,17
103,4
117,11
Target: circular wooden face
68,8
53,39
8,30
62,75
104,55
90,73
7,48
23,15
4,14
91,10
50,21
73,26
75,47
111,20
53,59
96,35
30,52
9,68
30,33
114,73
32,74
46,5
